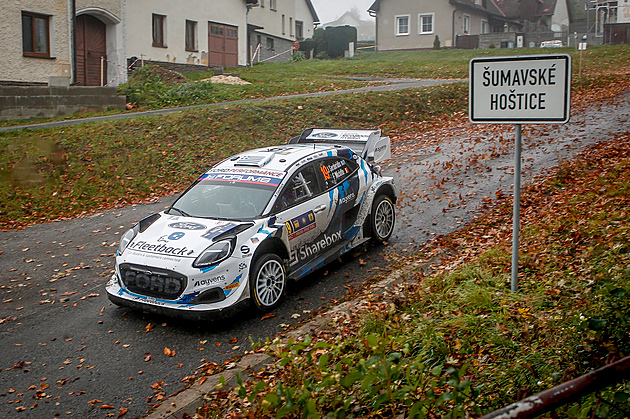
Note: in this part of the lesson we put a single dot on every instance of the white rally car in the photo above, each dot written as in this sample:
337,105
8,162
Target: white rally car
253,221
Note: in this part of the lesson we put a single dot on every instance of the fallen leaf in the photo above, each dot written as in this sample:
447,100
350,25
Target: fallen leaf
268,316
123,410
107,406
169,352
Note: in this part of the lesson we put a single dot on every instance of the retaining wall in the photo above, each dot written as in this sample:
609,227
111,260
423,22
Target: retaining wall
19,102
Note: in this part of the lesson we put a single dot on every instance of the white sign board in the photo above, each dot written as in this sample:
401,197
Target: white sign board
532,89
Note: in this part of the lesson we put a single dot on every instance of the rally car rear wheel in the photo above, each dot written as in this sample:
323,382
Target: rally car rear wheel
383,218
267,282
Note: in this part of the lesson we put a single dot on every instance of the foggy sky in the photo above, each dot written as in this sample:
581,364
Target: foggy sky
329,10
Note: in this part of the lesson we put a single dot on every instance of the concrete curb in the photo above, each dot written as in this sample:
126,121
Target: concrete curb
188,400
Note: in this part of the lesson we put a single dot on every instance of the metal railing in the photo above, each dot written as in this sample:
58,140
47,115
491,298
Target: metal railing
565,393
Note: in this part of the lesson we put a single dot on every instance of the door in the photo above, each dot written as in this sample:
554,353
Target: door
305,211
222,45
91,46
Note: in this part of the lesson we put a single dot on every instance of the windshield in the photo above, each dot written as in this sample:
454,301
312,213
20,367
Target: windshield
226,198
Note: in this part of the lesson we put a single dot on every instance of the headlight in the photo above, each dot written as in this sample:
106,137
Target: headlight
127,238
215,253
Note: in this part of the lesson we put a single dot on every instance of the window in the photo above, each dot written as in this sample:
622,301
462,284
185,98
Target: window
466,24
299,30
35,34
191,35
484,26
425,23
402,25
290,26
272,4
283,26
301,187
335,170
270,45
159,30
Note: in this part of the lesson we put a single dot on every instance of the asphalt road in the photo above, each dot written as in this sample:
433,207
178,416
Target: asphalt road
68,352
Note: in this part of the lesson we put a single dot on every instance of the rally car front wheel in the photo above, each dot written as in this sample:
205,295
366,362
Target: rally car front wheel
383,218
267,282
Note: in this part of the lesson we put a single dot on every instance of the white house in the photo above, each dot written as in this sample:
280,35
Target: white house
38,46
276,24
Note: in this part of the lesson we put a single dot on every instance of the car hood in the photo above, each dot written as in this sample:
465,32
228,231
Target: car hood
184,236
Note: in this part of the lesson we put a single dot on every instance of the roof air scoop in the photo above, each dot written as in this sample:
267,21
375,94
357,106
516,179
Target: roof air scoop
255,160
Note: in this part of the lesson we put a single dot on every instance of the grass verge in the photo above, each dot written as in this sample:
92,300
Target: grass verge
456,342
57,173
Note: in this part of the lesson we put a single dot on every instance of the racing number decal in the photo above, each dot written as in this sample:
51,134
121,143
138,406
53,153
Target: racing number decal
325,172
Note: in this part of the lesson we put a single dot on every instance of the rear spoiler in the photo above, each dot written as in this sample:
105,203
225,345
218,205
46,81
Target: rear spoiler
369,144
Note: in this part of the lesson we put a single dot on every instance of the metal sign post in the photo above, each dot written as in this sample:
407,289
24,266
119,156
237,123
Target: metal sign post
516,225
524,89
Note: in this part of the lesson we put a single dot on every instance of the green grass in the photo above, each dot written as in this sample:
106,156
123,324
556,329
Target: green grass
47,174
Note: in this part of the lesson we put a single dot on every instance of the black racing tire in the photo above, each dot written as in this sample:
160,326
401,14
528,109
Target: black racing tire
383,218
267,282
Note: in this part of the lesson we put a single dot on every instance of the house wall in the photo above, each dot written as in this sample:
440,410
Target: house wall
139,35
386,24
272,27
303,14
14,66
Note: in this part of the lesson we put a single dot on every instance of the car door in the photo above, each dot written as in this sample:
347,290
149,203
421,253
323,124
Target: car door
340,178
306,212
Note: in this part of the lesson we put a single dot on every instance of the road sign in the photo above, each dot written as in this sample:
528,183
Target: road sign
522,89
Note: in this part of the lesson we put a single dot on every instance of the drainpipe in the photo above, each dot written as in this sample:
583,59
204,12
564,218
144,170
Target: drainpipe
453,41
73,6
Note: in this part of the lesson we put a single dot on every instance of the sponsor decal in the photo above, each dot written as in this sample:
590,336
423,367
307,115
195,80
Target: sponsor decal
176,236
183,225
347,198
232,286
248,171
218,230
242,267
353,136
300,225
161,248
209,281
228,289
255,239
324,135
244,249
242,178
312,249
381,148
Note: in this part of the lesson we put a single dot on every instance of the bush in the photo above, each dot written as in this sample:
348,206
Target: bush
436,43
154,87
337,39
491,46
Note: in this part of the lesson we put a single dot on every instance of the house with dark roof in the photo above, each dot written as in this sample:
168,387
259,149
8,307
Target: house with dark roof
415,24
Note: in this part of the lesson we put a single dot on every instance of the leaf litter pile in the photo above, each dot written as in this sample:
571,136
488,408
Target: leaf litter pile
450,338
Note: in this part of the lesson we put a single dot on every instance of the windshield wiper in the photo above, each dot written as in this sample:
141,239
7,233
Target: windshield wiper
180,211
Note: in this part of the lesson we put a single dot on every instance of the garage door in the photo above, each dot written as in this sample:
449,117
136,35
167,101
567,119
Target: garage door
222,45
91,46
